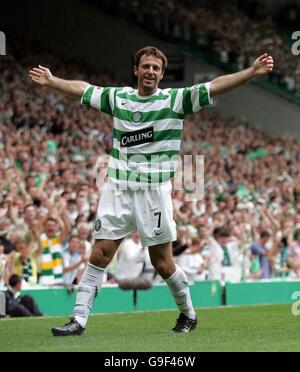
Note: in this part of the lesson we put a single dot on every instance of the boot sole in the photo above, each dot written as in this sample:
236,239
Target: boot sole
57,333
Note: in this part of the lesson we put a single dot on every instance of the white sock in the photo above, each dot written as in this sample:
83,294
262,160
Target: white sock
89,286
179,286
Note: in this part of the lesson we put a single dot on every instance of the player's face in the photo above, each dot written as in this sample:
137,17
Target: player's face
149,73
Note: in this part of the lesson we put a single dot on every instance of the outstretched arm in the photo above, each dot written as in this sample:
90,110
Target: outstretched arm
262,66
43,76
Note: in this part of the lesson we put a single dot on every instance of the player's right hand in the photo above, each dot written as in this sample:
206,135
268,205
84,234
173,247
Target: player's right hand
40,75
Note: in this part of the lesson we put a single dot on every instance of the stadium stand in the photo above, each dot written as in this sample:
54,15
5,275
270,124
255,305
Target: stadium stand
215,29
49,148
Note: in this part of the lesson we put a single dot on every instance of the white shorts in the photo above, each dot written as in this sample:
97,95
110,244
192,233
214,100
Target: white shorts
148,211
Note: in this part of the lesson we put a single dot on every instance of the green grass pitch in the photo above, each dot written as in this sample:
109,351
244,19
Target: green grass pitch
259,328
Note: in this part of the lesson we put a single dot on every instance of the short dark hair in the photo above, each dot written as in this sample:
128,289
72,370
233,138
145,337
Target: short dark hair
71,201
150,51
221,232
51,219
14,280
264,234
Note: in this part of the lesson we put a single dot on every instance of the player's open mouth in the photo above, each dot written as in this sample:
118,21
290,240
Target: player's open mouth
149,79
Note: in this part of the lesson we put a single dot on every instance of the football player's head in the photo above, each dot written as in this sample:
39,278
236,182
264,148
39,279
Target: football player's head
149,68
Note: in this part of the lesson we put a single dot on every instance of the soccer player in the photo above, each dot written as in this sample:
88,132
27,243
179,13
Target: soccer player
147,122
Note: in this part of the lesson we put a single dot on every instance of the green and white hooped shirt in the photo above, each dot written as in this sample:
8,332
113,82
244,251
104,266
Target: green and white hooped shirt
147,130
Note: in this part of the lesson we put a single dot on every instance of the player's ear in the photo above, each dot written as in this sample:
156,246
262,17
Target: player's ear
135,70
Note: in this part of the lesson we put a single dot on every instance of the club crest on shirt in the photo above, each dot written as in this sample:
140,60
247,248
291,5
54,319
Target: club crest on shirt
136,117
98,225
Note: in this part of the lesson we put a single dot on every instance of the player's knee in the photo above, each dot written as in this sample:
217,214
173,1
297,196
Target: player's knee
163,268
101,255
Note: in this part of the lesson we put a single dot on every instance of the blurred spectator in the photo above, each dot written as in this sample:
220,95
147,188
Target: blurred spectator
223,256
30,215
132,259
294,254
5,270
24,263
51,241
192,262
73,258
17,305
260,250
280,260
182,242
84,234
4,229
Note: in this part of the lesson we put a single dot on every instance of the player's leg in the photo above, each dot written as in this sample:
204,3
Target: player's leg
89,286
154,218
92,278
162,260
114,222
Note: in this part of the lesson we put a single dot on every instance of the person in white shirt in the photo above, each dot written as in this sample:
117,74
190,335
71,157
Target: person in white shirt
132,258
224,257
84,233
191,261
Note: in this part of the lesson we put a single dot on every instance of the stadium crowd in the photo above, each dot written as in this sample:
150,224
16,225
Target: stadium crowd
217,26
247,226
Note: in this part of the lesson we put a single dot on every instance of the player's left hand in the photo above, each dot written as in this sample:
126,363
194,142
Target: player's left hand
263,65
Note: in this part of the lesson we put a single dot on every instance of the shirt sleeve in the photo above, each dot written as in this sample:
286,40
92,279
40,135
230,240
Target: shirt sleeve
192,99
257,250
101,99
